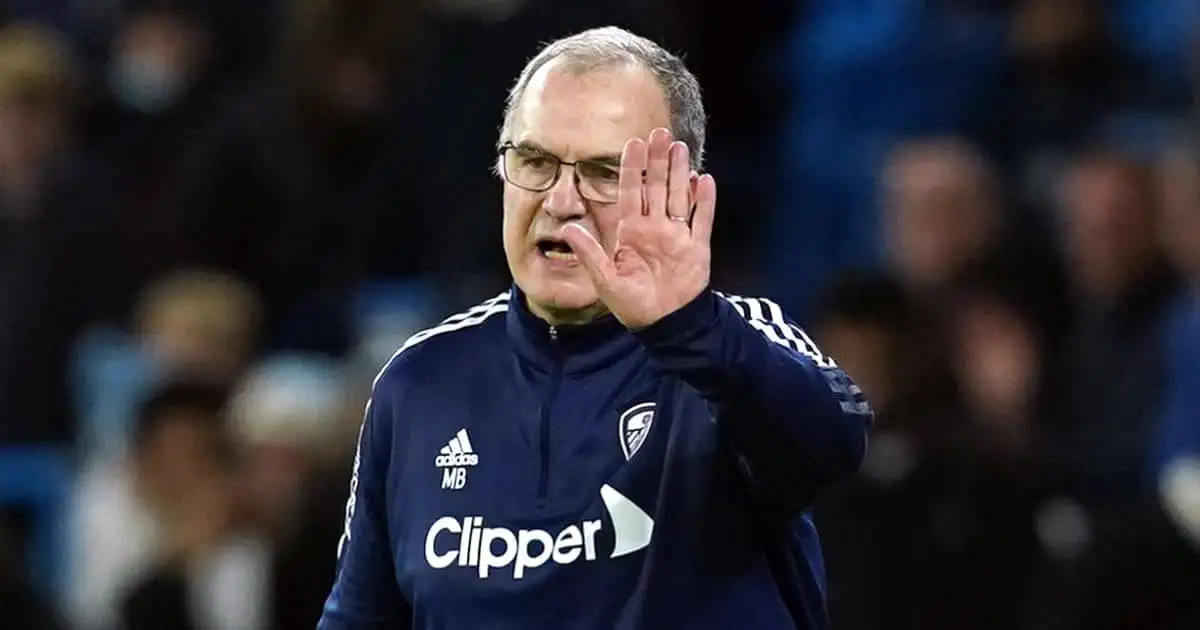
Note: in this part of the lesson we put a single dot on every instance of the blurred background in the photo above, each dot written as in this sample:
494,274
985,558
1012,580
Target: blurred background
218,218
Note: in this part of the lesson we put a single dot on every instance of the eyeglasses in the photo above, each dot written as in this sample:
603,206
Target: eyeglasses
538,171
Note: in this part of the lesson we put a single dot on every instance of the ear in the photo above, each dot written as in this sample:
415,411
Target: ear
692,181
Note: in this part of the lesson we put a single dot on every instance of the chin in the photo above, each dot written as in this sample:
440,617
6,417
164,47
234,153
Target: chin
560,295
571,293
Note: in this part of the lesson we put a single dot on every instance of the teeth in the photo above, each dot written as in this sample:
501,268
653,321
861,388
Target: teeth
558,255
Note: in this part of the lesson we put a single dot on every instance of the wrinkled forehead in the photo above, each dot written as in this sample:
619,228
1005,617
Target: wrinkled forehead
587,114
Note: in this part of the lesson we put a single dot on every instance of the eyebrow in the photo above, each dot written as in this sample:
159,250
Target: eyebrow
608,159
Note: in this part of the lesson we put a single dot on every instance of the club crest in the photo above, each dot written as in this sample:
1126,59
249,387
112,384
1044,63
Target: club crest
634,426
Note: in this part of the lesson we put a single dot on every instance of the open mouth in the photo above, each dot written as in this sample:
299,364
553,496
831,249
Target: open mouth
555,249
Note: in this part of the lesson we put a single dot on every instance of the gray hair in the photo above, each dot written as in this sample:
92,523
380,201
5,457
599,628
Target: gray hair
610,46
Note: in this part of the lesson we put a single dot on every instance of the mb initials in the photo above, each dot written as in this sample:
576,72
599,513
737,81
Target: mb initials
454,459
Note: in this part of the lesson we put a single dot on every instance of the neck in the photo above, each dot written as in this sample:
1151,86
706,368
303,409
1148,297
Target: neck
566,317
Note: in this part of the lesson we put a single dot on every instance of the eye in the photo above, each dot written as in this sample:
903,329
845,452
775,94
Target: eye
599,172
534,161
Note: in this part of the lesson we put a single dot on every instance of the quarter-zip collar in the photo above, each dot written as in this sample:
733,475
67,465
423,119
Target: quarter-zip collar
574,348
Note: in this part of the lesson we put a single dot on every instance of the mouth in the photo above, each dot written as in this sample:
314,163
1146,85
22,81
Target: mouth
556,249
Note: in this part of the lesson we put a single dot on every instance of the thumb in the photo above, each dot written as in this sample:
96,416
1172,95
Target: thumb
589,252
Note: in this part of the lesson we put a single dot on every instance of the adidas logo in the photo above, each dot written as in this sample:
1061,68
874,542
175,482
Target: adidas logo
454,459
457,453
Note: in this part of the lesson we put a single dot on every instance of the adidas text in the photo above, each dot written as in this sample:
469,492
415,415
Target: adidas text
457,459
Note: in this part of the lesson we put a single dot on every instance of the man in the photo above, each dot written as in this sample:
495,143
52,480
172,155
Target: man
1142,567
1177,457
610,444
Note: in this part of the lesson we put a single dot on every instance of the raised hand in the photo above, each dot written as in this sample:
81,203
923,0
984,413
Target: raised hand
662,258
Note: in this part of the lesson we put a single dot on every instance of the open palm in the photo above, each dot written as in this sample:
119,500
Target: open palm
662,257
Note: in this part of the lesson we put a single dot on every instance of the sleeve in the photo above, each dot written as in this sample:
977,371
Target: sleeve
794,419
365,595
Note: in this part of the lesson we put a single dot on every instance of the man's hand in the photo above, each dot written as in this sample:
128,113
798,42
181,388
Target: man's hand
662,258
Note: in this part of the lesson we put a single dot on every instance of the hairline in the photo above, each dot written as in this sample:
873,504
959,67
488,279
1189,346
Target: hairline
579,62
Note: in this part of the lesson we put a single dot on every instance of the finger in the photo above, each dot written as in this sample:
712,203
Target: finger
658,155
590,254
706,206
629,181
679,183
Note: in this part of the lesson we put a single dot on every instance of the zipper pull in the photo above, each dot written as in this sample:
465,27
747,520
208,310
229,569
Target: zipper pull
554,333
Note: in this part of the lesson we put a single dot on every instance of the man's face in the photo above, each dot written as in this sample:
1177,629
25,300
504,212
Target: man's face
30,131
179,455
1110,227
938,217
155,59
572,117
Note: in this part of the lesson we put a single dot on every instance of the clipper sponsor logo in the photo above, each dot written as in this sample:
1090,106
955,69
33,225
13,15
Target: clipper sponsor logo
468,541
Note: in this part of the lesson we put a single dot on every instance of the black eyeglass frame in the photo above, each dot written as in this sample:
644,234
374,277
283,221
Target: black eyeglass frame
502,152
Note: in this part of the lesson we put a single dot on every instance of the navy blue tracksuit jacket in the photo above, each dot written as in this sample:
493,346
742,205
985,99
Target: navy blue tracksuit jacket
515,475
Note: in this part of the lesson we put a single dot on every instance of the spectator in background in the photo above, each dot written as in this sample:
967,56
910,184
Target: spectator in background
232,506
194,322
863,322
1180,224
156,507
943,210
155,96
874,525
995,487
36,89
1143,569
863,76
998,352
202,323
937,531
1177,462
879,334
51,244
206,575
284,420
191,324
1111,387
295,184
158,57
1064,78
289,424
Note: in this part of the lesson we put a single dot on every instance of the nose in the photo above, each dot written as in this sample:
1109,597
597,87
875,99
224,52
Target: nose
562,201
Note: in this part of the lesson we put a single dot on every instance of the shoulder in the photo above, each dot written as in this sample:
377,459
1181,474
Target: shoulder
768,318
459,337
755,308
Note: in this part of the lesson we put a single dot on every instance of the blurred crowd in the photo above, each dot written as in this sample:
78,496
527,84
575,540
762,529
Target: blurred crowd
219,218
